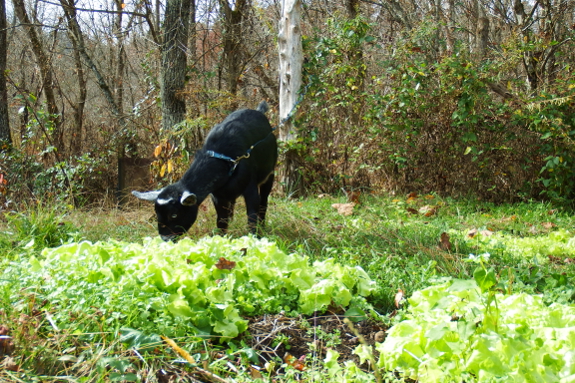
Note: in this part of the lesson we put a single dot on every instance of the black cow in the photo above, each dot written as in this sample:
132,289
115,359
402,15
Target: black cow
238,158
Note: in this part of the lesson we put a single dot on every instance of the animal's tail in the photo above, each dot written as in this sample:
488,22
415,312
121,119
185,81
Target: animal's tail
263,107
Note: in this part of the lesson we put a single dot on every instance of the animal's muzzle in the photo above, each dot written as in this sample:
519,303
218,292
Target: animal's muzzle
170,237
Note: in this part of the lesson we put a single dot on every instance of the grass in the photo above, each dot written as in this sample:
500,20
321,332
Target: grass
397,240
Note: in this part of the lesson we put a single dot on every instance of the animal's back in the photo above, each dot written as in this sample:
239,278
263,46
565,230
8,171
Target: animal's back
238,131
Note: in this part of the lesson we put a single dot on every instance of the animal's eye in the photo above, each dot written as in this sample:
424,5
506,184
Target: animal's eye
174,216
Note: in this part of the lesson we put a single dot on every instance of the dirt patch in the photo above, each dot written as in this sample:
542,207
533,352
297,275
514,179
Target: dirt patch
291,339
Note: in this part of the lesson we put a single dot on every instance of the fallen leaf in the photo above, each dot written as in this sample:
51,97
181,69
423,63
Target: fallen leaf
354,196
322,195
255,372
379,336
486,233
224,264
428,210
292,361
472,233
445,244
158,151
6,343
10,365
412,195
411,210
344,208
429,196
548,225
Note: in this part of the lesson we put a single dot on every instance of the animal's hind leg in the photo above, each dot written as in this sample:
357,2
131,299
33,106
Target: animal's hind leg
265,190
252,198
224,211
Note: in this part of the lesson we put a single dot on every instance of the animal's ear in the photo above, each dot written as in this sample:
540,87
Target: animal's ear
188,199
151,196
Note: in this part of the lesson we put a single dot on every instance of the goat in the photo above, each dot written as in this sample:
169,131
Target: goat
238,158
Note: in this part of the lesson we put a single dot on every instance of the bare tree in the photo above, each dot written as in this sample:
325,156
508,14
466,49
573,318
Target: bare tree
79,104
5,136
45,65
174,62
482,34
233,62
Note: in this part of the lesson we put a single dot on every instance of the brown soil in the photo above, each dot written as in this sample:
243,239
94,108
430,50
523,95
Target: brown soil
275,336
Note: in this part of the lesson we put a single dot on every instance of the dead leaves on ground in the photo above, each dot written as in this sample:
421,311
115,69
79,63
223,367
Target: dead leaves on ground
6,343
444,242
297,363
6,349
346,209
485,232
560,260
414,201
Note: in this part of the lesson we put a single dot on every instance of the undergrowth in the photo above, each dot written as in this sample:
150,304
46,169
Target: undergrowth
404,243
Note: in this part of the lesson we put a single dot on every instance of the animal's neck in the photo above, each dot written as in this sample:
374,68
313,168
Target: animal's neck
205,175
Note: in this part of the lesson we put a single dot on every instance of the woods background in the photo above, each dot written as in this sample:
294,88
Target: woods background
454,97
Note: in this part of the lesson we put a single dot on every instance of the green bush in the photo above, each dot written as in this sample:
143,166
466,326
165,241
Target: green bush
450,123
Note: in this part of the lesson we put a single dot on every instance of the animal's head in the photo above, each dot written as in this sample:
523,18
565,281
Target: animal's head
176,210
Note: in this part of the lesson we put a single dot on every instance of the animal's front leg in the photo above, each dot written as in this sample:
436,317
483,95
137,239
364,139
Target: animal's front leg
224,211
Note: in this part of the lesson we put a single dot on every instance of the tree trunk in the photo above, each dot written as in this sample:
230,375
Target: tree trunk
232,42
120,58
482,35
45,70
193,35
5,136
529,60
174,60
80,102
450,27
290,71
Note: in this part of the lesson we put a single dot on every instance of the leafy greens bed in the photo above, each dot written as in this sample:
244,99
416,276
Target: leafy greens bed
559,243
212,283
455,332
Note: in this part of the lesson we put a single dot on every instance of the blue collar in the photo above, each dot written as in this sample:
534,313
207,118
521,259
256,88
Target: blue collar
234,163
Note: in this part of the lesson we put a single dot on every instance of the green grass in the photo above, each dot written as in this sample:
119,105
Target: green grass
391,238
